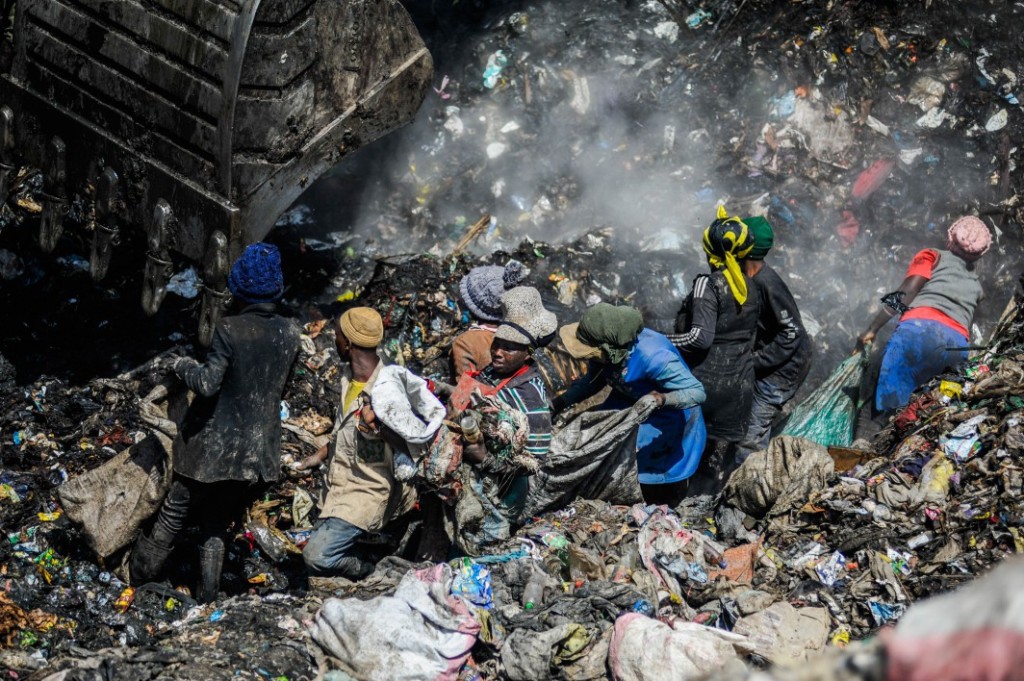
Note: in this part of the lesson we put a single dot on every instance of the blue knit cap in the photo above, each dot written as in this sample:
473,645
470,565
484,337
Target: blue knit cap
256,277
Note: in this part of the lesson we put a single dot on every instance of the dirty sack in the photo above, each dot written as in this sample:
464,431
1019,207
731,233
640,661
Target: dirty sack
111,501
770,482
593,457
479,517
404,403
569,648
646,649
829,415
421,632
973,633
784,634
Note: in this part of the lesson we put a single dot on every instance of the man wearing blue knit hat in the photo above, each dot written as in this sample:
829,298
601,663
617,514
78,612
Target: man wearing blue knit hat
231,435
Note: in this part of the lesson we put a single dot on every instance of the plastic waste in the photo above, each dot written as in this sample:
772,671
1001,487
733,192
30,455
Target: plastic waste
470,428
404,467
883,613
964,442
496,63
472,581
698,18
125,599
829,415
533,593
186,283
644,607
714,554
830,570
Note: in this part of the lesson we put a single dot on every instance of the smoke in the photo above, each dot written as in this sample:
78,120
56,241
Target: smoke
597,113
567,139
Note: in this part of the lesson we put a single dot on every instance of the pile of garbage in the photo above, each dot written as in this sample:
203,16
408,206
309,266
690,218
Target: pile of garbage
861,131
807,549
596,138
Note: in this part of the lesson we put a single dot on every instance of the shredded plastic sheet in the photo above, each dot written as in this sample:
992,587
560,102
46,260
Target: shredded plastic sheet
829,415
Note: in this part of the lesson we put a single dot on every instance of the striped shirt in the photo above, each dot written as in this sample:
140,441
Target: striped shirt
527,394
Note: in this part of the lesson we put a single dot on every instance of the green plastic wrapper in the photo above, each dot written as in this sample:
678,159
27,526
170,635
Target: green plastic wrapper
829,415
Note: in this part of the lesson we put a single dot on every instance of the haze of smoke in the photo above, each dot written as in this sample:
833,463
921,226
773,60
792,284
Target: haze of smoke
617,133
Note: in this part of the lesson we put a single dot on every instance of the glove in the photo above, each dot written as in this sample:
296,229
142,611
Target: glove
182,364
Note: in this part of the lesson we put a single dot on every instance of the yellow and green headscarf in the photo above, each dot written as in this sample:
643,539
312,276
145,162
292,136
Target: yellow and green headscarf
726,241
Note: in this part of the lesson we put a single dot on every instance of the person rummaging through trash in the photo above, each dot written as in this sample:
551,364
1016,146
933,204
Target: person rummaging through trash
481,291
782,349
231,434
935,305
640,364
715,332
361,493
558,368
505,418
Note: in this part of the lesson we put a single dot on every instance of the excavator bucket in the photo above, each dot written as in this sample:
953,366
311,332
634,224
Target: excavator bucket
198,121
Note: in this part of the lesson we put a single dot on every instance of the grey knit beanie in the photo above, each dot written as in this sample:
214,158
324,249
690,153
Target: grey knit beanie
483,287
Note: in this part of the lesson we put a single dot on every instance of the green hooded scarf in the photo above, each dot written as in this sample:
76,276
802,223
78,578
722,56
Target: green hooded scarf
612,328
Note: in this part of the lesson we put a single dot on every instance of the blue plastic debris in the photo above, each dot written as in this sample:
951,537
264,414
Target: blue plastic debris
473,583
496,63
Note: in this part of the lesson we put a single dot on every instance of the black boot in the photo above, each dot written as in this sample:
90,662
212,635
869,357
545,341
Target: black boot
355,568
211,561
147,560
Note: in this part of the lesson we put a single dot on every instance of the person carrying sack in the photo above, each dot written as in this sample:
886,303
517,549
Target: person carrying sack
229,448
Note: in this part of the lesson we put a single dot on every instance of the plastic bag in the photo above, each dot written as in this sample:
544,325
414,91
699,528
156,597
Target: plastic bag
829,415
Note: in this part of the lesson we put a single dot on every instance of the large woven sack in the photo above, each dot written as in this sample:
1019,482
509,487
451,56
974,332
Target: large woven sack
110,502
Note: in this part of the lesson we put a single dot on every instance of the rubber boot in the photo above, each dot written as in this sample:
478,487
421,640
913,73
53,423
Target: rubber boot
355,568
147,560
211,561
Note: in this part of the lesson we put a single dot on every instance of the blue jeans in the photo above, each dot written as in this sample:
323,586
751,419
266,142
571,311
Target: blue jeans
331,550
918,350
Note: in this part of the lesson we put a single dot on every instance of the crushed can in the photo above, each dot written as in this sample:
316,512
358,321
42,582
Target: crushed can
124,601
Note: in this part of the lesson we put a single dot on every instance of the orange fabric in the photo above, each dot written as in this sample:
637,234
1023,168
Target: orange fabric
467,384
741,563
931,314
471,350
922,265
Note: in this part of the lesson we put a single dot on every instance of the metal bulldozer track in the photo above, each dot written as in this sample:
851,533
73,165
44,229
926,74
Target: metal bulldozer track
198,121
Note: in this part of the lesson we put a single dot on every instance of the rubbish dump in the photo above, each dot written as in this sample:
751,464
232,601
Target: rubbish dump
859,131
809,554
841,134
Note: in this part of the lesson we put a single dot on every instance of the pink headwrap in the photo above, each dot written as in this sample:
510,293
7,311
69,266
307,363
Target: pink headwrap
969,237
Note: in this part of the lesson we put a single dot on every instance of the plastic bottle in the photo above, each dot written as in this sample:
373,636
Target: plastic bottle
714,555
920,540
470,428
533,594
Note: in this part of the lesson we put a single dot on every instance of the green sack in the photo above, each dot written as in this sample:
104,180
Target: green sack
829,415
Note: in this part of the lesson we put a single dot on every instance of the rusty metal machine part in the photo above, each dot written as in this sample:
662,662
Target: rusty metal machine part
199,121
